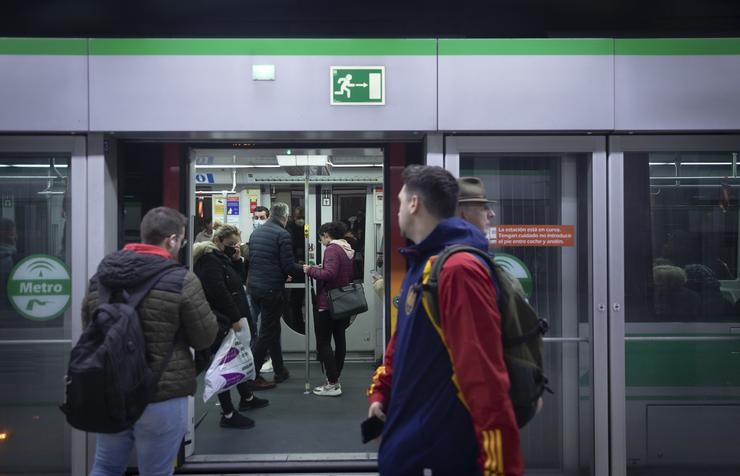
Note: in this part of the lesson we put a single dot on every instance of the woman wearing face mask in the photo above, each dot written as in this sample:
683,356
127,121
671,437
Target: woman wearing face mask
335,271
219,265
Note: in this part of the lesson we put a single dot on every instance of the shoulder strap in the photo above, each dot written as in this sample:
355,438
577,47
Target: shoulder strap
134,297
430,276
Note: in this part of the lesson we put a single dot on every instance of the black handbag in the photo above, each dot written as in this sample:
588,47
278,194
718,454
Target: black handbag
347,301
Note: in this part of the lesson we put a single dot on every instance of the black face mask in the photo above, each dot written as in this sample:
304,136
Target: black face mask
229,251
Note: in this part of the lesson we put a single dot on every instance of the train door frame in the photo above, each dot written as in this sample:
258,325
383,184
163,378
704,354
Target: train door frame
453,147
314,210
618,146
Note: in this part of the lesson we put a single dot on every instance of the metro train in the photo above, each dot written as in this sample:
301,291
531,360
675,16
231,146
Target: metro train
628,147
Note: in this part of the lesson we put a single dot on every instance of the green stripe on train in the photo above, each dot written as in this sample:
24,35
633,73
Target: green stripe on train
43,46
526,46
682,364
677,46
264,46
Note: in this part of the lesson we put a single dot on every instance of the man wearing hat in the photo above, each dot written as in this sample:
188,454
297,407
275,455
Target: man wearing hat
473,205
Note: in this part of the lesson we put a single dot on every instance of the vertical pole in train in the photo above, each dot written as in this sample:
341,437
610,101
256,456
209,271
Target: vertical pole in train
307,282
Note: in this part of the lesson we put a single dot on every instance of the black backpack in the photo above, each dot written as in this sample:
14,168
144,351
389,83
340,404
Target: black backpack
108,381
522,332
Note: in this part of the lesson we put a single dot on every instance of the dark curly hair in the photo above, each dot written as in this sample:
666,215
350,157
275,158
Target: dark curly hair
335,229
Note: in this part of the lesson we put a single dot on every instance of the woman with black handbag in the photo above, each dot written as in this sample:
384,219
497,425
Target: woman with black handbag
336,271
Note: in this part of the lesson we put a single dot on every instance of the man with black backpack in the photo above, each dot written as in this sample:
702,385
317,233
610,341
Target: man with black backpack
139,291
443,387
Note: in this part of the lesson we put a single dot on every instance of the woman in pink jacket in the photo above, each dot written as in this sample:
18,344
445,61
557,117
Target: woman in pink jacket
337,270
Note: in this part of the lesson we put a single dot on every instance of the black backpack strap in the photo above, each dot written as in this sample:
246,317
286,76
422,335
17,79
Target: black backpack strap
136,295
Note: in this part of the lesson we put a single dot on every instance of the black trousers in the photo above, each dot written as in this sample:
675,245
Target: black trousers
332,360
268,338
224,398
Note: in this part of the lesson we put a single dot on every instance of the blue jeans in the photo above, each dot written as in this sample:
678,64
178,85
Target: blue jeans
157,436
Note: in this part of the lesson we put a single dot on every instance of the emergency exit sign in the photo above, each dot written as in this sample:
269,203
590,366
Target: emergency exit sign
357,85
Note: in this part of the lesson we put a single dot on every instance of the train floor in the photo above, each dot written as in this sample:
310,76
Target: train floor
294,423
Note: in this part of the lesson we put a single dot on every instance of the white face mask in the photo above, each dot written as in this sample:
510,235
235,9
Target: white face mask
258,222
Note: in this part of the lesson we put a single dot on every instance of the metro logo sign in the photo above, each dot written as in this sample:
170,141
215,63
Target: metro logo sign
40,287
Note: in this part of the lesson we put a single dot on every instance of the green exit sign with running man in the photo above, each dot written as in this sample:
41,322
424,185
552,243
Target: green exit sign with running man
357,85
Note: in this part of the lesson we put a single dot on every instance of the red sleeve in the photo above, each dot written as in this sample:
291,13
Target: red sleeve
380,388
471,324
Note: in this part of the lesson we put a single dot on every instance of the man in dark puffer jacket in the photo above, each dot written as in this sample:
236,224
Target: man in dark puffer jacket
271,262
176,306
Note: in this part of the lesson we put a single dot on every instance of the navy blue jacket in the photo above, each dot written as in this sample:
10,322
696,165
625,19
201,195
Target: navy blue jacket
271,257
426,421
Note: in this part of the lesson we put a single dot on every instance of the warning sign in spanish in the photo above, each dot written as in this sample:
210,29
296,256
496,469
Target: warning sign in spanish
532,235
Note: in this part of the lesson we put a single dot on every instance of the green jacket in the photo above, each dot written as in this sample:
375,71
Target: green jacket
175,306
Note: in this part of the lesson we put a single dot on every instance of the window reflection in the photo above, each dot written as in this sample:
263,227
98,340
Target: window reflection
686,207
33,220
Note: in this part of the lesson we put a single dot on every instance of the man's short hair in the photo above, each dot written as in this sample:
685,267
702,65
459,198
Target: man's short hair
279,210
437,188
335,229
260,208
160,223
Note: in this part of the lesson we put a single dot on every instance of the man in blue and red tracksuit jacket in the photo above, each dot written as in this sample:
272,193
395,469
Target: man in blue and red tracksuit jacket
444,391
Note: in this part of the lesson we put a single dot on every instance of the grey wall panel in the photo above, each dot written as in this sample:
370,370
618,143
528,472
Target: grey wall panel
217,93
43,93
532,93
677,92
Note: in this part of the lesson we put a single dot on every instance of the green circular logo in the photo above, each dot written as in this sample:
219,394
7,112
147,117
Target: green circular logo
40,287
515,267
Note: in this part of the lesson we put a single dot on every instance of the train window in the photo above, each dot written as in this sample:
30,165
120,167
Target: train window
35,294
685,207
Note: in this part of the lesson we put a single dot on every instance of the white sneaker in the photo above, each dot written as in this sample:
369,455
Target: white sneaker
328,390
267,367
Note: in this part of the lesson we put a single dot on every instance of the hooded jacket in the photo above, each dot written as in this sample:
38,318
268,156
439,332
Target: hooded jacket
336,270
445,388
176,303
222,280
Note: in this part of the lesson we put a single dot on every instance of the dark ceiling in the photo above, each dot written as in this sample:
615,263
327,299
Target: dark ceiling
363,18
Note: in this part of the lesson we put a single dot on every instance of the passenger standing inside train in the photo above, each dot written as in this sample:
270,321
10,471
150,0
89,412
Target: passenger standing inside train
297,297
444,391
271,264
175,305
259,218
335,271
220,268
206,233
